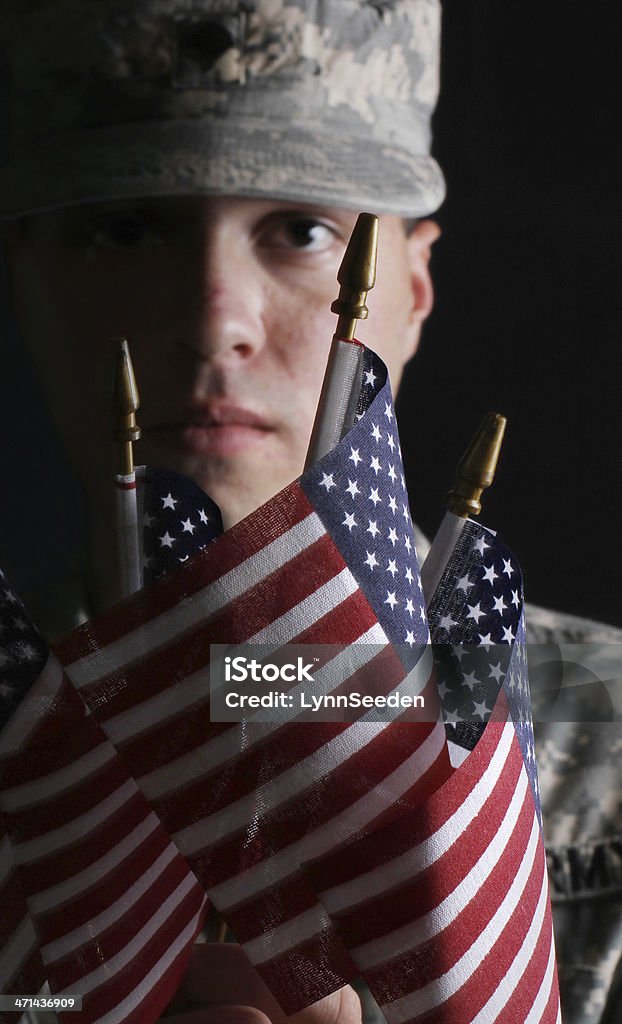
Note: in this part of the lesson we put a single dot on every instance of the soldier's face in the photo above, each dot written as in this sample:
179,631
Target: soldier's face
226,306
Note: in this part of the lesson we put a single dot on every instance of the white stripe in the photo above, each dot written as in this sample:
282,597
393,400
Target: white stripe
421,930
336,830
194,689
544,992
420,857
39,790
510,982
75,830
139,941
446,985
16,952
165,627
288,935
56,895
119,1013
34,707
244,736
125,902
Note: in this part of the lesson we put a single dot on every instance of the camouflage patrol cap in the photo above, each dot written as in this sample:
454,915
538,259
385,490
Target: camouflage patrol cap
324,101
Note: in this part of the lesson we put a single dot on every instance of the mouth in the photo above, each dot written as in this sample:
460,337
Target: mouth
216,429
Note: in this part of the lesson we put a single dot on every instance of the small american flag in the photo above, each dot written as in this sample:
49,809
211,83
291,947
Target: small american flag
330,559
446,911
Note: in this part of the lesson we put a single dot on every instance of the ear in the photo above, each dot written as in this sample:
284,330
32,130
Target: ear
419,246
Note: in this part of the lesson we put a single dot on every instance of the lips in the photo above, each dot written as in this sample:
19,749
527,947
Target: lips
213,429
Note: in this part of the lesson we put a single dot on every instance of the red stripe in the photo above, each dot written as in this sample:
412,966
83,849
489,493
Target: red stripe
64,809
521,1000
308,972
123,486
218,558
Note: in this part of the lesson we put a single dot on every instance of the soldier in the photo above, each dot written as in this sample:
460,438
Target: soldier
187,174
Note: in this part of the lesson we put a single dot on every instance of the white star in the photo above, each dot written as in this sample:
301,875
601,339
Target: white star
410,637
391,599
480,545
405,512
374,496
515,599
20,623
376,432
147,519
464,584
391,442
388,411
446,622
187,526
169,501
350,521
202,515
496,673
354,456
507,567
475,612
166,541
393,536
375,465
486,640
371,560
508,635
392,504
184,559
499,604
392,473
409,607
480,710
373,528
422,613
489,573
408,574
352,488
370,377
392,567
407,543
327,481
146,562
470,679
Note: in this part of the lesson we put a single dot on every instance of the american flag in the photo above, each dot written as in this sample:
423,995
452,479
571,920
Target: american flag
446,911
330,559
96,898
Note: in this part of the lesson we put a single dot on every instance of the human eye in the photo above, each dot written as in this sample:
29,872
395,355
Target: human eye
126,230
298,233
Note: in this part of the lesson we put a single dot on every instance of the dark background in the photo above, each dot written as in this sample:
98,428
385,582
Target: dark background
528,318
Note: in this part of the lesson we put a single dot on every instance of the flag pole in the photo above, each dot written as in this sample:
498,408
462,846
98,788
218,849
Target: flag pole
474,473
337,407
126,403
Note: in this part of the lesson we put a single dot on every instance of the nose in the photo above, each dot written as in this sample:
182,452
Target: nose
224,319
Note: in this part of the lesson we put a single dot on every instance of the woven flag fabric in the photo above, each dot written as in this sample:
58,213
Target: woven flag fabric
446,910
96,900
330,560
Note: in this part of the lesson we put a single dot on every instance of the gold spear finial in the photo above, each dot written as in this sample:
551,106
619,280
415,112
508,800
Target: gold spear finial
126,404
476,468
357,275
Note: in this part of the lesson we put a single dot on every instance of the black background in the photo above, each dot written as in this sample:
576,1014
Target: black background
528,318
527,322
